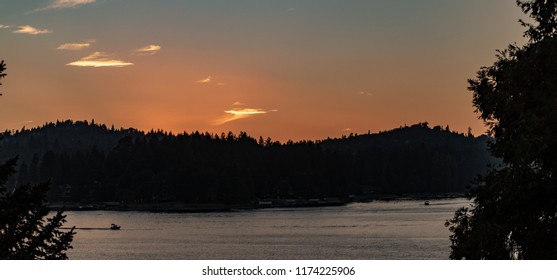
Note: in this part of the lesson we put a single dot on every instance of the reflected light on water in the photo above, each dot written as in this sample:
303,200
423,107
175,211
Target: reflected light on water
376,230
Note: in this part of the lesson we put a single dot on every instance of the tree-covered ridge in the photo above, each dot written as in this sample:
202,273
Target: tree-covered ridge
418,158
228,168
61,137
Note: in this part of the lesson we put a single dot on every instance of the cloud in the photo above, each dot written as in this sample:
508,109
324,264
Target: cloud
63,4
74,46
147,50
210,79
27,29
347,129
240,113
5,26
237,103
245,112
366,93
204,81
99,59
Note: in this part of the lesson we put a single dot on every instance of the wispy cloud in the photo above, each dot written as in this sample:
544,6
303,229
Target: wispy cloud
240,113
204,81
27,29
147,50
99,59
74,46
238,103
63,4
24,123
347,129
366,93
210,80
5,26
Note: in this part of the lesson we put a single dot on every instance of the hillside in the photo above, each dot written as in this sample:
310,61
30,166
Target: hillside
418,158
88,162
61,137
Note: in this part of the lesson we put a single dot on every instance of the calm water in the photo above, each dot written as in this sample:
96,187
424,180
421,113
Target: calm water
377,230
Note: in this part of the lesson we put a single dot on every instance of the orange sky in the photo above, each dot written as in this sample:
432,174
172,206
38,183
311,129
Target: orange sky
285,69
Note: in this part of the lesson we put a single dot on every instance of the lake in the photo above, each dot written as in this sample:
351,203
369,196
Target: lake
405,229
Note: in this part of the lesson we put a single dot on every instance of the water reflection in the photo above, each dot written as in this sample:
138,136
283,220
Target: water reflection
377,230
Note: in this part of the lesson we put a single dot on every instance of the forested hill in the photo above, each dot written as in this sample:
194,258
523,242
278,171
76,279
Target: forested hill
409,137
417,158
61,137
88,162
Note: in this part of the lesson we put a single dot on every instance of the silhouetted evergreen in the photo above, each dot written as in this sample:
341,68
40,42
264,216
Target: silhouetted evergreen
208,168
514,214
25,232
2,71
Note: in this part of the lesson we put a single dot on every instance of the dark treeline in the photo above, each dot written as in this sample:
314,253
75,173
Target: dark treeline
88,162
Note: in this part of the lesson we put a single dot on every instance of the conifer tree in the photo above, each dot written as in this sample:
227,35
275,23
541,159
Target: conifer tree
25,230
514,210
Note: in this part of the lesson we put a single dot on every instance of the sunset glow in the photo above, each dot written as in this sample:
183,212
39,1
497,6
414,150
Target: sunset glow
182,65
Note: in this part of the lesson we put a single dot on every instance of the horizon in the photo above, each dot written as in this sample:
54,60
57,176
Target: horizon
237,133
286,70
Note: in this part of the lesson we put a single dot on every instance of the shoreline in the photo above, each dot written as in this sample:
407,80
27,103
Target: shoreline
178,207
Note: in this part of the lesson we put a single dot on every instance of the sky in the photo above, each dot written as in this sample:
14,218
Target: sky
289,70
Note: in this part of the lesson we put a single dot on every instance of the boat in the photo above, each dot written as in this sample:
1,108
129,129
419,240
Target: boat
114,227
426,203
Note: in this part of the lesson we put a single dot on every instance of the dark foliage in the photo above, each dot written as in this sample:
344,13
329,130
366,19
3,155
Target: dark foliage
2,71
514,214
228,168
25,232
